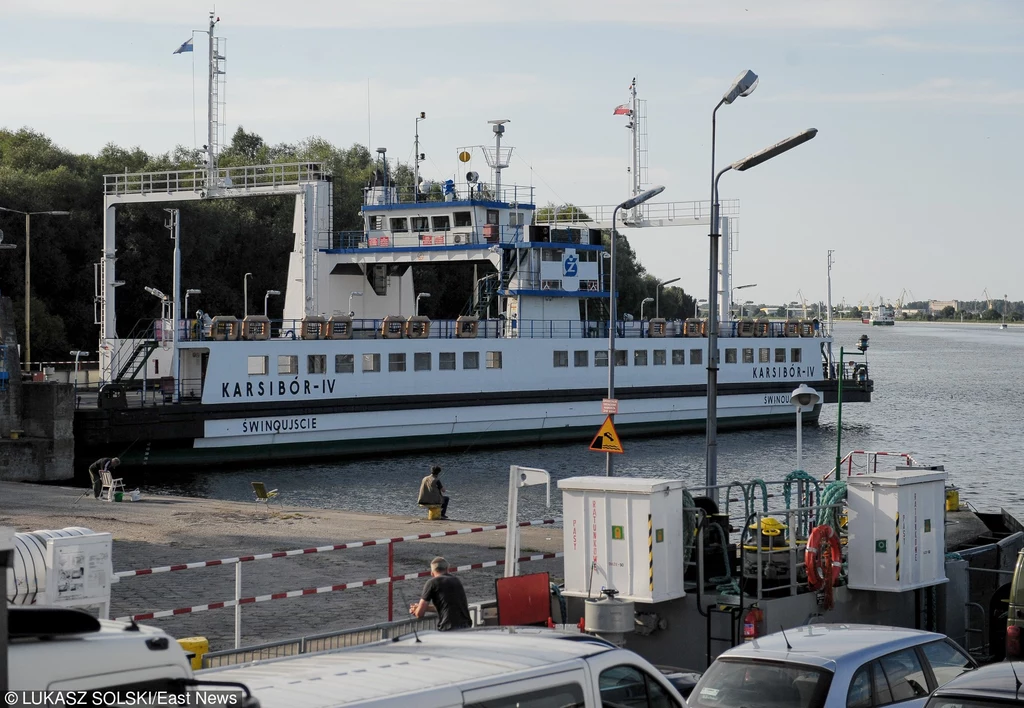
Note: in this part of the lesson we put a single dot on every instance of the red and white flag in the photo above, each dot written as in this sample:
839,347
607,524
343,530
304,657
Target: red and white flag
622,110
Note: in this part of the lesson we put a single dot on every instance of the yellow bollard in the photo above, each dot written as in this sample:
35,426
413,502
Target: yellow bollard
952,499
433,512
198,647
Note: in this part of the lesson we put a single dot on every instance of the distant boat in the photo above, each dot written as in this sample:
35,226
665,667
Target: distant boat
883,315
1003,324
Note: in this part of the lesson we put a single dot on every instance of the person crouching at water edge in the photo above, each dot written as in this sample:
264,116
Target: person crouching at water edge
104,464
432,491
445,595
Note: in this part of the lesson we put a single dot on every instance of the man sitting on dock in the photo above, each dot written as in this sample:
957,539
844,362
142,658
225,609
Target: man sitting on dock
432,491
104,464
444,594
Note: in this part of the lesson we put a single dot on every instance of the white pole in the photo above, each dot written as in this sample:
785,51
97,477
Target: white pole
176,303
726,308
799,436
511,527
238,607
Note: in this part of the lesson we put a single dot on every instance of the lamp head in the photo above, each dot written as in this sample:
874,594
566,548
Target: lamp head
356,294
423,295
774,150
667,282
155,293
642,197
804,396
648,299
193,291
273,292
742,85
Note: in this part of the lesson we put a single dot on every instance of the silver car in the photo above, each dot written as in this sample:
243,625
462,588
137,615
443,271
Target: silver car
832,666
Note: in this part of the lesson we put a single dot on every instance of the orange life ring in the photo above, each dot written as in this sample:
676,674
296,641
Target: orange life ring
820,534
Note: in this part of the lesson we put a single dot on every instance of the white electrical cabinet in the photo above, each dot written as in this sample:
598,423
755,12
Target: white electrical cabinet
897,534
623,533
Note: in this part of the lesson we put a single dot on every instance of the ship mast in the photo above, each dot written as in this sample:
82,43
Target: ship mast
216,71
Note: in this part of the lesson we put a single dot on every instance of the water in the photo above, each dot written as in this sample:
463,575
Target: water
948,394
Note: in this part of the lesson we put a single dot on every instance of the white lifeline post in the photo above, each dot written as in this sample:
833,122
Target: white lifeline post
519,477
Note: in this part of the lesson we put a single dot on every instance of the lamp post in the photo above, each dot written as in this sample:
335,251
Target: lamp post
711,460
28,274
732,295
357,293
266,297
76,353
803,397
416,159
696,307
628,204
642,303
190,291
657,292
420,295
245,294
862,347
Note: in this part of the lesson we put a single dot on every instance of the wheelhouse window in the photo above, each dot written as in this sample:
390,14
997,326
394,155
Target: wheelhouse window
441,223
287,365
258,366
446,361
399,224
371,362
470,360
463,218
492,216
421,361
601,357
344,363
420,223
316,364
581,358
696,356
561,359
396,361
515,218
493,360
551,254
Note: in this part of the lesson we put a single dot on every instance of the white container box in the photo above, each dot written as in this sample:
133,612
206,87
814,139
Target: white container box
623,533
897,530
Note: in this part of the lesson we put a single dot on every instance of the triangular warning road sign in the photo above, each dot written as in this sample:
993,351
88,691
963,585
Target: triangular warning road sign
606,440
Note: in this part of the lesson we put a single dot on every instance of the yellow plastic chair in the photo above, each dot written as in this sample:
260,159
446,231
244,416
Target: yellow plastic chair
262,494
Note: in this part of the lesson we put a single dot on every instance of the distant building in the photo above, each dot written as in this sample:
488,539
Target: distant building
936,307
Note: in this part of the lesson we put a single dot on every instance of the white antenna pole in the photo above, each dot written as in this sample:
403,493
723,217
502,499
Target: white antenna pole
416,164
211,127
635,168
498,130
830,261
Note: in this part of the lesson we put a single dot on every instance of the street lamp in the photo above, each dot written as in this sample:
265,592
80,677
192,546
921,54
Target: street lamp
416,159
420,295
28,274
76,353
267,297
657,291
642,303
358,293
245,294
803,397
190,291
628,204
732,295
711,460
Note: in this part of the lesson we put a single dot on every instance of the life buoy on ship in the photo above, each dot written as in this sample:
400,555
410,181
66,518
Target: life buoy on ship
822,537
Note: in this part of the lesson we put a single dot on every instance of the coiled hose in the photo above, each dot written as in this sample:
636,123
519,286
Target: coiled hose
689,527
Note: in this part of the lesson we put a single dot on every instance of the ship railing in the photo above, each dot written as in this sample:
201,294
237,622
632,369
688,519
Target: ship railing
651,212
769,566
858,462
235,179
435,192
482,236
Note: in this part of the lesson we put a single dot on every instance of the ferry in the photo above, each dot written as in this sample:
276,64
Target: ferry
352,368
881,316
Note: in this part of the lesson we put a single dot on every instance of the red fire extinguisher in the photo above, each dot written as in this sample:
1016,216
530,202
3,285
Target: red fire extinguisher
752,623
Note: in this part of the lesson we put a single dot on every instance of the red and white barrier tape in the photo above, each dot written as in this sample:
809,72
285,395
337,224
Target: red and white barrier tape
325,589
323,549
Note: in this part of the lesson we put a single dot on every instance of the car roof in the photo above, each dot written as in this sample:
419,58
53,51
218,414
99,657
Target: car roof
393,668
825,645
992,681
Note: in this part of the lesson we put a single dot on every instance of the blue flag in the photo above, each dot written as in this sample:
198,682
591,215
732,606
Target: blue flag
186,47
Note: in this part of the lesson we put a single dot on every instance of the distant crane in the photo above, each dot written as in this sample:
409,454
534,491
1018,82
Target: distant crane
988,301
803,300
899,303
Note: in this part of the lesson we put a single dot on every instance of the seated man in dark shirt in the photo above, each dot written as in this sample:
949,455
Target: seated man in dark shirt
444,594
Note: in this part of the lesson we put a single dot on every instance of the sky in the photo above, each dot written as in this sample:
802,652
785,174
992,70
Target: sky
913,178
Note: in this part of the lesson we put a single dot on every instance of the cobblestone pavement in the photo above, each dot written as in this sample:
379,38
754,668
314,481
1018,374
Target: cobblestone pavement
171,530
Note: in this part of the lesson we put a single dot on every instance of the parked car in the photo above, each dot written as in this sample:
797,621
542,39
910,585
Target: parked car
988,687
832,666
1015,613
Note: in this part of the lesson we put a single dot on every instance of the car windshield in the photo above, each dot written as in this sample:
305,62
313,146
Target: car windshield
746,683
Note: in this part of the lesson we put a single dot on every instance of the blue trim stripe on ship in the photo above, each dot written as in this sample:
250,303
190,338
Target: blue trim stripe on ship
447,205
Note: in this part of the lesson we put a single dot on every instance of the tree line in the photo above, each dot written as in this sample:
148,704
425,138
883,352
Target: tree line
221,239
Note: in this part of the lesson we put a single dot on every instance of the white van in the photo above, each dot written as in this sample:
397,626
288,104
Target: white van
486,668
59,649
